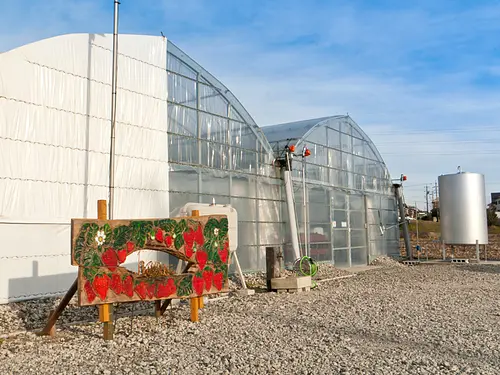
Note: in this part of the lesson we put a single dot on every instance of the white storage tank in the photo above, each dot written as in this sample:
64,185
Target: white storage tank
462,206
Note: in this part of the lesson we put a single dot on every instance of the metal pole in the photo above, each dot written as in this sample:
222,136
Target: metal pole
113,113
477,250
406,234
292,220
416,218
304,208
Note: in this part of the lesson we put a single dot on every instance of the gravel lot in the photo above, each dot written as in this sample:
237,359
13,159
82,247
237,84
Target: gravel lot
389,320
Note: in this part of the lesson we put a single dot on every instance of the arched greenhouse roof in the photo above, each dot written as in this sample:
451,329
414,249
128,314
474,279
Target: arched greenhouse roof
300,132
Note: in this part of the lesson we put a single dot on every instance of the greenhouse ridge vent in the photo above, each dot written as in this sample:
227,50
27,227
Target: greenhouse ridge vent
181,137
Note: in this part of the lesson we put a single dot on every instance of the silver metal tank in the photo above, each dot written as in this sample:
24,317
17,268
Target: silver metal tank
462,205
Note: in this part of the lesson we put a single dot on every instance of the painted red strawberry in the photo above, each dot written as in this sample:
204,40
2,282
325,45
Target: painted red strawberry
166,289
201,258
141,290
188,243
90,292
128,286
169,241
121,255
208,275
151,289
159,235
109,259
198,236
218,280
223,254
101,286
130,247
116,284
198,284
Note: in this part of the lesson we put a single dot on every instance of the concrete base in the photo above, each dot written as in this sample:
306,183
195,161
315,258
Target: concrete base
291,284
458,260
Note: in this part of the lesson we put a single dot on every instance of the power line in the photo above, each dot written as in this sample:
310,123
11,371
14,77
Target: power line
464,141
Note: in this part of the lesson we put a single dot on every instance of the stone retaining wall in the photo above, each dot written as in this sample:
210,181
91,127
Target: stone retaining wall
429,242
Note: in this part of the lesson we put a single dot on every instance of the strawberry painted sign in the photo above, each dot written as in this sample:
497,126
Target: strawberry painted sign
99,247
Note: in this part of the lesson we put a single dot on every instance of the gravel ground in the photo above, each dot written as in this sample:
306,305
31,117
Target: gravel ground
390,320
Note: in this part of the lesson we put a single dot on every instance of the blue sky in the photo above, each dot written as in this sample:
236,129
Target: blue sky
421,78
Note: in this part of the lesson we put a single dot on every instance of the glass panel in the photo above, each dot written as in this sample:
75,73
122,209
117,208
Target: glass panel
243,160
242,136
318,154
334,139
317,136
211,100
359,164
243,186
356,202
321,251
358,146
358,238
339,199
357,219
214,155
269,234
334,177
346,127
182,149
181,90
183,180
334,158
246,208
340,238
215,182
176,65
359,182
346,142
182,120
341,258
214,128
359,257
340,217
347,163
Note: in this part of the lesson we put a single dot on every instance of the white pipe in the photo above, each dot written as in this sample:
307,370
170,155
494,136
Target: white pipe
291,213
113,113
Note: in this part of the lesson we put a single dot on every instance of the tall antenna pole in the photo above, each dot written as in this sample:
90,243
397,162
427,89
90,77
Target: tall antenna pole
113,113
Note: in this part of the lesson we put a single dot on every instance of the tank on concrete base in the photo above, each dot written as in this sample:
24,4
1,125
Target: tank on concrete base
462,209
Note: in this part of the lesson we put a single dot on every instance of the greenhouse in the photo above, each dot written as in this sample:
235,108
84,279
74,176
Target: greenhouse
348,191
181,137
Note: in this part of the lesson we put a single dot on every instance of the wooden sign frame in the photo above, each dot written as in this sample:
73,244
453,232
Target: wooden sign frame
99,247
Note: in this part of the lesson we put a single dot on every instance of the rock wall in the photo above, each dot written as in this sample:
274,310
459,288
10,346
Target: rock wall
429,243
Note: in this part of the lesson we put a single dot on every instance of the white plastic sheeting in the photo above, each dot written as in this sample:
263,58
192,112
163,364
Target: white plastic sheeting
55,105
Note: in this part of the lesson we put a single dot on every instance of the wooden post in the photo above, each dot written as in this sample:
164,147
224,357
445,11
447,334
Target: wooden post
194,309
158,308
196,302
106,310
272,266
50,327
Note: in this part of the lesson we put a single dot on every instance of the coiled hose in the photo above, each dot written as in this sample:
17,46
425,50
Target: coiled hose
307,267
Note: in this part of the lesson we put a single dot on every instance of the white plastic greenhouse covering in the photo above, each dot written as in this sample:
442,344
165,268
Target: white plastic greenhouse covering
55,99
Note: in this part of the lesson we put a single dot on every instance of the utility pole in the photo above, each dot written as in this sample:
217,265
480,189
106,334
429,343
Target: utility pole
427,198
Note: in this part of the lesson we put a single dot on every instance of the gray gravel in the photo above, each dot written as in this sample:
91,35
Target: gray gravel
389,320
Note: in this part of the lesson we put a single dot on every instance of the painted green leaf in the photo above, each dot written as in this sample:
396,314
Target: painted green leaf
224,227
120,236
89,273
96,260
168,225
92,233
178,241
181,226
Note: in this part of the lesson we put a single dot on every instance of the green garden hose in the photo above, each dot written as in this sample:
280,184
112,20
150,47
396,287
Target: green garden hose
312,268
